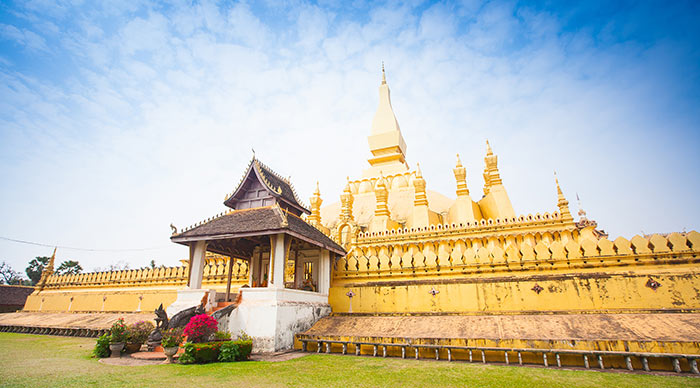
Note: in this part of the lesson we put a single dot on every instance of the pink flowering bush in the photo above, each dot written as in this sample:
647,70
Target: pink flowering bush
200,328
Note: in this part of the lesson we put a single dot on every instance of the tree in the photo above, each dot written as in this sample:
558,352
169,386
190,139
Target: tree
153,265
36,267
69,267
8,275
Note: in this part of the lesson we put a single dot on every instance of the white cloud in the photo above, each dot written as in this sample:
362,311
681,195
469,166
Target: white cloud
23,37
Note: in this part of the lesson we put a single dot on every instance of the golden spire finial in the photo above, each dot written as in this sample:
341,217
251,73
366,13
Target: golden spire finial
560,194
562,203
383,74
461,178
318,190
489,151
419,174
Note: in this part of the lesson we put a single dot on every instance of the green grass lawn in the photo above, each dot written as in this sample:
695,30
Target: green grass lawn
45,361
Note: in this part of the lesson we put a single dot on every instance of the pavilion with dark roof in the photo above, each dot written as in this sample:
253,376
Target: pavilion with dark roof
289,260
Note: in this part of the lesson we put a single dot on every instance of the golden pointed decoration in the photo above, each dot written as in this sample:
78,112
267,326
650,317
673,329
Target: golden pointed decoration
491,175
48,271
315,216
419,184
562,203
346,201
382,195
461,178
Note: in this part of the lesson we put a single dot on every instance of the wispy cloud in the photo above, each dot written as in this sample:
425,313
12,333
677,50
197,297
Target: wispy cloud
23,38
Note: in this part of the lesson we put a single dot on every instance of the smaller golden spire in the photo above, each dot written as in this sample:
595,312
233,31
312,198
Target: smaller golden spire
346,200
491,175
316,201
461,178
382,195
562,203
48,271
419,184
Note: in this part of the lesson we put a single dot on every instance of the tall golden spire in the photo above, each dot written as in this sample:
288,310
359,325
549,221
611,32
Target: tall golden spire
461,178
562,203
386,141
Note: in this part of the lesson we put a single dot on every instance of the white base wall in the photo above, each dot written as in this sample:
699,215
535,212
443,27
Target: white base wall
273,316
188,298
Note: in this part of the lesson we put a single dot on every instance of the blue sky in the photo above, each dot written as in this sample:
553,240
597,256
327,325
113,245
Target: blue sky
118,118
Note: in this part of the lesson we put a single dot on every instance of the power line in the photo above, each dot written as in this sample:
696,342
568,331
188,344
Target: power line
81,249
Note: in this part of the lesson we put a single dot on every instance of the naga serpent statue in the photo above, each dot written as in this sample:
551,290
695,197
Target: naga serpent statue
178,320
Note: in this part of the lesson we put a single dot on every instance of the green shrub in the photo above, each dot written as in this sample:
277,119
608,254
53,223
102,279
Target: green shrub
223,351
229,352
201,353
244,349
102,347
188,356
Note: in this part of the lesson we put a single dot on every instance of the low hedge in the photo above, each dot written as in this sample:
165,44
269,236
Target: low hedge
224,351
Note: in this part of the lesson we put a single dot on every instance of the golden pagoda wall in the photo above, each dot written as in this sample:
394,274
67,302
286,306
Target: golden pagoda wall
129,290
539,264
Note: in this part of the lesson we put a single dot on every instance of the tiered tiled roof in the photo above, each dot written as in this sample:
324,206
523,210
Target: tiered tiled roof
258,221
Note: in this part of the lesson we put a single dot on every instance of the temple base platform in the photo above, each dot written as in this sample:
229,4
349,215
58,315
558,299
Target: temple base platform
669,341
68,324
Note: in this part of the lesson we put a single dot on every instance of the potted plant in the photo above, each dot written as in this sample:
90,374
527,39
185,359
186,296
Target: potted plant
117,337
172,338
137,334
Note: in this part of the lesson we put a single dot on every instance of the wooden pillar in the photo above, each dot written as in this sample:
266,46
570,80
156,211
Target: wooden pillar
228,279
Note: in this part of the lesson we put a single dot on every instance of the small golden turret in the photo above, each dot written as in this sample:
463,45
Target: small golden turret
316,201
419,183
382,194
346,201
461,178
491,175
562,203
48,271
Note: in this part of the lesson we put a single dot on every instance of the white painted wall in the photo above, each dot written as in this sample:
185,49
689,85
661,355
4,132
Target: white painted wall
272,316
